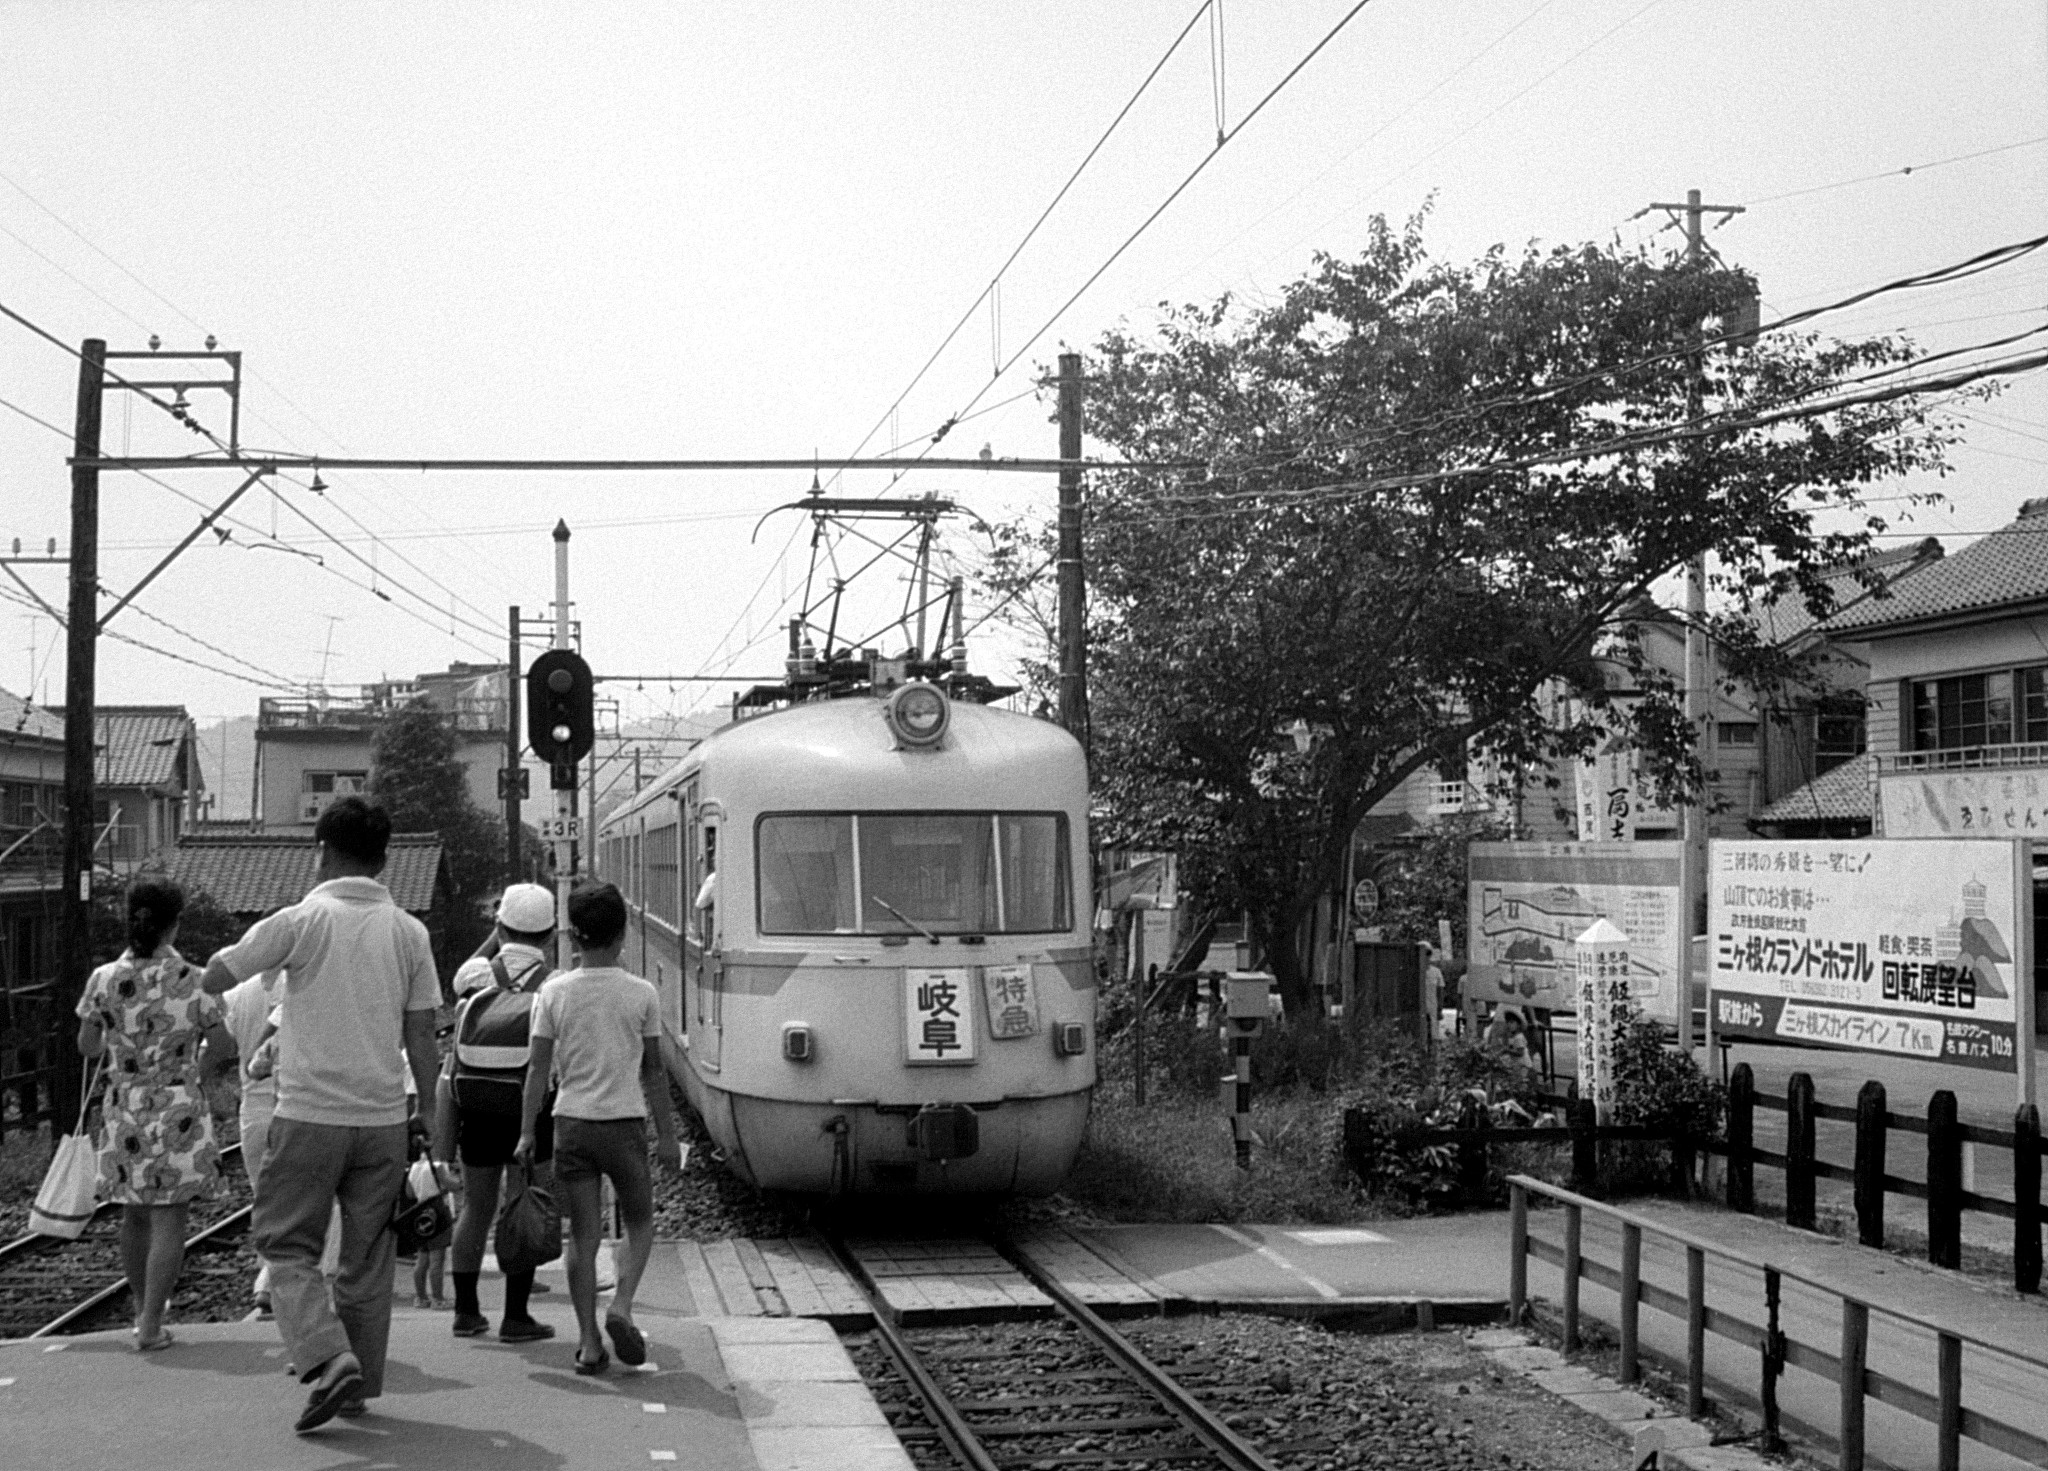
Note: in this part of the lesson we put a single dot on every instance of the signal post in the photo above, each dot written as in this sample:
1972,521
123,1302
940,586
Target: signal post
560,726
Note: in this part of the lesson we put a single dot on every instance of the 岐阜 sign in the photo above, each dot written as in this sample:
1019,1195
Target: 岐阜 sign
1914,947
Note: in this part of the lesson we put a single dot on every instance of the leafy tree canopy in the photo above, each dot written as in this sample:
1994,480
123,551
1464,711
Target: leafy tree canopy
1429,493
416,774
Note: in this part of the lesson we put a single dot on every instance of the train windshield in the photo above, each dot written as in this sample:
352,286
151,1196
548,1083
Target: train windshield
894,873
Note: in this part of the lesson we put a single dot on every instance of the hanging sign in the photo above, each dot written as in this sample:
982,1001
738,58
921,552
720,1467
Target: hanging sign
1912,947
1012,1001
938,1015
1607,797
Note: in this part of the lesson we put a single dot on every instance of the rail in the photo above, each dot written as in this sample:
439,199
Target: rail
1847,1368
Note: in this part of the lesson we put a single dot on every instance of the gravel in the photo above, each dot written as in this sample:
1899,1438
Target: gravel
1310,1399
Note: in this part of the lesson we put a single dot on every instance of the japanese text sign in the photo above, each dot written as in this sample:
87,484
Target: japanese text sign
938,1015
1605,1008
1012,1001
1897,945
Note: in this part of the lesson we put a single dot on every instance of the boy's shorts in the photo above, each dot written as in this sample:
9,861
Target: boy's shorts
613,1148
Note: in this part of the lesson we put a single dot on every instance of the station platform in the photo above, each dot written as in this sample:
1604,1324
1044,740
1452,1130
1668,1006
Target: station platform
745,1372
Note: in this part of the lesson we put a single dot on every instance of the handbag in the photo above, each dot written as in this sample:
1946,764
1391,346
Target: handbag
70,1190
529,1228
422,1221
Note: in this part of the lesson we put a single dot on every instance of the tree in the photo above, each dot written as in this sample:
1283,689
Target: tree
416,775
1427,494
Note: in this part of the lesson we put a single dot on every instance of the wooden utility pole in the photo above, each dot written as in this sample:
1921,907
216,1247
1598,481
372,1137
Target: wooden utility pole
83,626
1698,706
1073,711
512,769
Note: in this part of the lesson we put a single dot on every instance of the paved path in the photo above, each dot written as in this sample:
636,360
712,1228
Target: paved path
2006,1388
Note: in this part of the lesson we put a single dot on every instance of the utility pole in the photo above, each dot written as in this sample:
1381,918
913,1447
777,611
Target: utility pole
1073,711
1698,705
513,772
563,779
82,627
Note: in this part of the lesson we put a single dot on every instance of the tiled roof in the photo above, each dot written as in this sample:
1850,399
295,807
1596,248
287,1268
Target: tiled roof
140,744
257,873
2005,569
1786,619
1831,796
19,718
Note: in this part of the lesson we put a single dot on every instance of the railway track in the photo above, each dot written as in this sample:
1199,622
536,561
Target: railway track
1063,1391
49,1286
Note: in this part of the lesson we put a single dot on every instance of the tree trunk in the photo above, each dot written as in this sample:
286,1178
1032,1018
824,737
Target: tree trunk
1279,935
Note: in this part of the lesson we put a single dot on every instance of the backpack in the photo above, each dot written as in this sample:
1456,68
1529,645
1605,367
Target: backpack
493,1041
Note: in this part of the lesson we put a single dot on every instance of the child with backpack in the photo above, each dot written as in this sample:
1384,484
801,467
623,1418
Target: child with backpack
479,1095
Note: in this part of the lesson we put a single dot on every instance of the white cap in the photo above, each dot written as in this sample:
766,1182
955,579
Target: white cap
529,908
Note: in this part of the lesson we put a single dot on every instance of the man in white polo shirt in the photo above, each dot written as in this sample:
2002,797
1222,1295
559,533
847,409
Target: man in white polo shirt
358,1010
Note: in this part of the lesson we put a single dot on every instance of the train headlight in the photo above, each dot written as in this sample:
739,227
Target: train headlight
797,1043
918,714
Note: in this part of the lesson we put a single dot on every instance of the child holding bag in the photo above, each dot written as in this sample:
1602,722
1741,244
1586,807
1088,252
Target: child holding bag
597,1031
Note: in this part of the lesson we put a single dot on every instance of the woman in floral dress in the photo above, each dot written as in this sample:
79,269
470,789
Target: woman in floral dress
147,1013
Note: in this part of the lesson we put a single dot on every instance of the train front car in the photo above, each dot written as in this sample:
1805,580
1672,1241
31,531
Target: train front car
888,984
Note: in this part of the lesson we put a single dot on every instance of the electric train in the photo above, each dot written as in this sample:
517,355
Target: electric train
865,915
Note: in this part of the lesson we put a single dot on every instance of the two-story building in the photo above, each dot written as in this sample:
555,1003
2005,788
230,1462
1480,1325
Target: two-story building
31,842
313,748
1958,697
146,783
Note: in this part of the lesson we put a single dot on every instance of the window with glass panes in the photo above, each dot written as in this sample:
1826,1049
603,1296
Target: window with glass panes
1995,708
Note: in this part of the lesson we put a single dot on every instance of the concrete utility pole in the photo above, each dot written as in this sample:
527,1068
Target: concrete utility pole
1698,703
512,768
80,698
1073,711
565,792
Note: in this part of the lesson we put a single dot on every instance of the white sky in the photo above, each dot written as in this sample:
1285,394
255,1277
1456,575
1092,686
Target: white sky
655,230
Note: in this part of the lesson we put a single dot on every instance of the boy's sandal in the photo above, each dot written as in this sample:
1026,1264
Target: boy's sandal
163,1339
327,1399
592,1366
628,1340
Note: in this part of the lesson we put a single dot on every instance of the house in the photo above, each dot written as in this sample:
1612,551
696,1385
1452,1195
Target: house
311,749
146,782
254,874
31,841
1957,695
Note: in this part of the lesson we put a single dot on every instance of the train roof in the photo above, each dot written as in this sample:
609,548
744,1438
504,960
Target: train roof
847,758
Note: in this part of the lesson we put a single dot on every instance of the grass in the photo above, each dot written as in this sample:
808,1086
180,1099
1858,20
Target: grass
1174,1161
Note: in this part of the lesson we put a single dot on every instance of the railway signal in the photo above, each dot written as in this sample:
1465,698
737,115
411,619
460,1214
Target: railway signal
560,709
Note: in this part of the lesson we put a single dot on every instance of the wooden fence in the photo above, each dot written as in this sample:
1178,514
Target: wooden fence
1867,1176
1847,1368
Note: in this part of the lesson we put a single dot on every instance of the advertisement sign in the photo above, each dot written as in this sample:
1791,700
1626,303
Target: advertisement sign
1906,946
1527,904
1605,1009
1607,797
938,1014
1963,804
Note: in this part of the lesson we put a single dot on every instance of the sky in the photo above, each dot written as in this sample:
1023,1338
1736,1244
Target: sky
639,230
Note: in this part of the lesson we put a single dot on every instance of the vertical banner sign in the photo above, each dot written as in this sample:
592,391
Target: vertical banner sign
938,1015
1605,1008
1906,946
1607,797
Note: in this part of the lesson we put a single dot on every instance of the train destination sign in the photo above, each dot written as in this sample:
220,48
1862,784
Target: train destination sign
1912,947
939,1024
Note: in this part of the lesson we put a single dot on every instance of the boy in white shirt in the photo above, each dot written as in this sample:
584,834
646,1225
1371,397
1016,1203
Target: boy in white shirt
597,1031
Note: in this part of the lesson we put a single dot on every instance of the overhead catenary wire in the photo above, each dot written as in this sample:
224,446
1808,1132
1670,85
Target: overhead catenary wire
1898,173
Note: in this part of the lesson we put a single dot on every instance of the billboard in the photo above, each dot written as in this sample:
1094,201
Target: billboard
1964,804
1910,947
1528,902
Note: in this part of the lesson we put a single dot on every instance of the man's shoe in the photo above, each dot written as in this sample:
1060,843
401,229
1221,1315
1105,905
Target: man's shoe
342,1383
471,1325
524,1330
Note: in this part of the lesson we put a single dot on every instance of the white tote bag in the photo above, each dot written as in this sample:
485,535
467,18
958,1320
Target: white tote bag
71,1189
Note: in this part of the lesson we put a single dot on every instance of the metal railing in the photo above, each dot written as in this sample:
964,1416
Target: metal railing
1847,1368
1965,758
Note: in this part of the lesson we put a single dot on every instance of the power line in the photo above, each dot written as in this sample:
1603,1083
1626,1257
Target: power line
1044,214
14,597
1900,173
182,415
